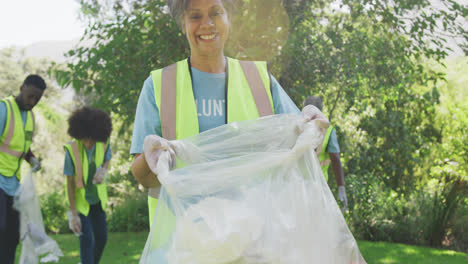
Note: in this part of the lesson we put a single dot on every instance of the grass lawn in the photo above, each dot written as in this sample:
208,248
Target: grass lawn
125,248
391,253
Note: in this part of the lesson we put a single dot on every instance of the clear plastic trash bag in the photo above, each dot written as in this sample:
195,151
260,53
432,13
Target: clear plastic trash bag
249,192
35,242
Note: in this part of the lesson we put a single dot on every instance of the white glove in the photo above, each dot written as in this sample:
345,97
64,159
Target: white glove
74,223
312,113
100,175
153,146
35,164
342,197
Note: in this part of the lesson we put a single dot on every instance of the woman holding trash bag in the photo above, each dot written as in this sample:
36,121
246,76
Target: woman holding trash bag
87,159
201,92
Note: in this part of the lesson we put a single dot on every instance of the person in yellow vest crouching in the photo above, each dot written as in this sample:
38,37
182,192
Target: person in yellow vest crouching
87,159
330,153
16,133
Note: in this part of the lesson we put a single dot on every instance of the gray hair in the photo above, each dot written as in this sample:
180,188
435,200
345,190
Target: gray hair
313,100
178,7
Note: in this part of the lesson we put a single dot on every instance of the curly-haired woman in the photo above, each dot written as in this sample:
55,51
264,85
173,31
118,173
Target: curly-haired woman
87,159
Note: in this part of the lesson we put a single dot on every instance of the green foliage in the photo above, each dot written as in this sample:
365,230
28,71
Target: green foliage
458,229
363,57
14,67
48,141
424,217
122,53
129,214
450,156
54,212
401,121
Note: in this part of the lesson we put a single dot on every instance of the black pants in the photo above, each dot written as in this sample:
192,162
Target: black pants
9,229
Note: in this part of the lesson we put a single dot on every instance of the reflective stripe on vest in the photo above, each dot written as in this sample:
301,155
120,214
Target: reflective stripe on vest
80,160
248,97
16,138
323,156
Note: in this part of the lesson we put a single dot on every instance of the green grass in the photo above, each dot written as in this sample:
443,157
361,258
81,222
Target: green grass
125,248
391,253
121,248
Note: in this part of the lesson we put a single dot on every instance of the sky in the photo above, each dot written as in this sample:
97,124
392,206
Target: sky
24,22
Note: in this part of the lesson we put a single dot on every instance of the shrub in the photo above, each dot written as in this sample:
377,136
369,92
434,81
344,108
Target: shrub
378,213
54,212
129,213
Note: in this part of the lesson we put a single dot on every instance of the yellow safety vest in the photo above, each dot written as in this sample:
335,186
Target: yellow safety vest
77,152
15,140
248,97
323,156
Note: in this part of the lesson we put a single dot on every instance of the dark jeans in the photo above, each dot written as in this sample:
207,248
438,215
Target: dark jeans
9,229
94,237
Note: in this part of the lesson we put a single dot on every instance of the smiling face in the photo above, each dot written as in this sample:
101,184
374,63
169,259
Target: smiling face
206,26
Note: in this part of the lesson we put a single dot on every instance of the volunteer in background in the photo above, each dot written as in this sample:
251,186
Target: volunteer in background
87,159
16,133
330,153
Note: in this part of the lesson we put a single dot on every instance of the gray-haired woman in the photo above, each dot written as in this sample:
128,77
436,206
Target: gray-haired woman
207,89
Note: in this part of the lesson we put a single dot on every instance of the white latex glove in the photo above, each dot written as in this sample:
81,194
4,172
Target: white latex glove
312,113
74,223
100,175
35,164
342,197
153,146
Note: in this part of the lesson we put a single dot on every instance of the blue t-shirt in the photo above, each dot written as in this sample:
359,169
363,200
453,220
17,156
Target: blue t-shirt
332,146
210,98
91,194
9,184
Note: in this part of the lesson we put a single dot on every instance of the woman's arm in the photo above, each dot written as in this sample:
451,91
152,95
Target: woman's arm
106,164
71,194
337,168
142,172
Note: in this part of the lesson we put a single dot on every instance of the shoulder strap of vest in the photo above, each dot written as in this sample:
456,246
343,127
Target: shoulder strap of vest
78,164
322,155
5,145
103,149
169,96
33,121
168,101
257,87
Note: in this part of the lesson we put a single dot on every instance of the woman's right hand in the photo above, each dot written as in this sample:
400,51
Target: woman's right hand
153,147
74,222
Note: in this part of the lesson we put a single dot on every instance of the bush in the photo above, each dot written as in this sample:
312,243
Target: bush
129,213
54,212
378,213
458,231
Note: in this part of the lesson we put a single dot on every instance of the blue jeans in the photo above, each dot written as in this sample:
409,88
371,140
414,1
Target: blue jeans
94,237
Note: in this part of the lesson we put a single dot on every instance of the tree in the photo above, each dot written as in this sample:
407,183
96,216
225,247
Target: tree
122,54
362,56
14,67
50,114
